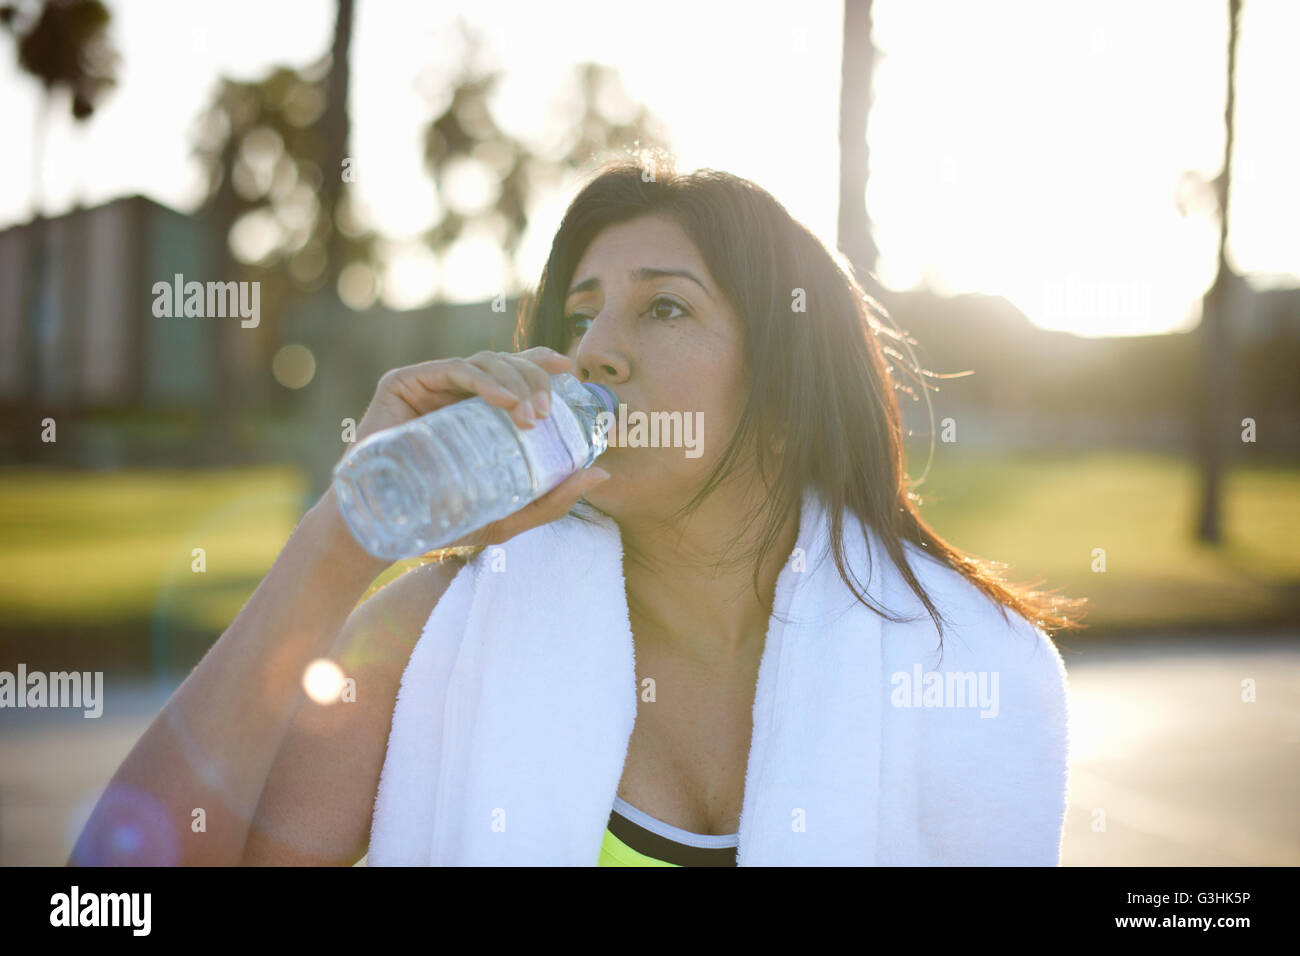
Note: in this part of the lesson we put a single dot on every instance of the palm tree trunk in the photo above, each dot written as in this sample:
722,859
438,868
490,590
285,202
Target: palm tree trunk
335,131
1216,348
857,66
334,128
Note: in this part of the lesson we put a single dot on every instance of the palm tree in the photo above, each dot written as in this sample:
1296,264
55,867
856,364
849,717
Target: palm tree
269,110
467,129
64,45
1214,326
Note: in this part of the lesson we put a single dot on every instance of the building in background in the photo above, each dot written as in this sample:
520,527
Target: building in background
127,387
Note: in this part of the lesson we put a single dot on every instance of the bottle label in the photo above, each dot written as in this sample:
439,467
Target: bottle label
550,444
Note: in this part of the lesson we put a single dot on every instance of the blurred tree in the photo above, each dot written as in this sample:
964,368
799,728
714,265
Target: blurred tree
277,157
64,45
856,69
274,151
465,136
1216,347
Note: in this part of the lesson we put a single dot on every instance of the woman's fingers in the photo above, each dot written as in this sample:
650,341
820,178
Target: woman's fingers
553,360
542,363
528,376
508,381
513,376
466,376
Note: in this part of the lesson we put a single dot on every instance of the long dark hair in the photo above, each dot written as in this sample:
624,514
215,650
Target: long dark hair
819,382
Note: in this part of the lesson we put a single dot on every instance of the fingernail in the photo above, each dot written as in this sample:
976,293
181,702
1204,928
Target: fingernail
542,400
526,412
600,473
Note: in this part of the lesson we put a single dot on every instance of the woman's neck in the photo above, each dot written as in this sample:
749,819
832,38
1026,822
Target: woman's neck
690,583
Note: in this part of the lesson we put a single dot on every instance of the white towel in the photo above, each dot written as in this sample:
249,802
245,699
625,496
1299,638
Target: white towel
515,710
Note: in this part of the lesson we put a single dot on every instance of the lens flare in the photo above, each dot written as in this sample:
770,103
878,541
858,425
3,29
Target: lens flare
134,831
323,681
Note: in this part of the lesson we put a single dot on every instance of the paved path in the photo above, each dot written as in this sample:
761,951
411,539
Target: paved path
1164,753
1184,772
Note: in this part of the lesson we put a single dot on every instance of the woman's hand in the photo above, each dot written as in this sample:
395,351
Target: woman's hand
519,383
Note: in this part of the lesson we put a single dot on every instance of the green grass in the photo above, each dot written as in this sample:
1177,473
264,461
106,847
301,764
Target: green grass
80,548
94,549
1044,515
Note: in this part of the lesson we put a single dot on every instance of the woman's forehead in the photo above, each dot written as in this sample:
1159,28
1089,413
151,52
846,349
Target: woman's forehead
658,240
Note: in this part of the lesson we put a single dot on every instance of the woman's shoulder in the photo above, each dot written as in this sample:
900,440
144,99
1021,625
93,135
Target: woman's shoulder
990,663
980,632
404,604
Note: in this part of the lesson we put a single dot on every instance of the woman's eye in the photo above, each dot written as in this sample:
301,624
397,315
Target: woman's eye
578,323
663,300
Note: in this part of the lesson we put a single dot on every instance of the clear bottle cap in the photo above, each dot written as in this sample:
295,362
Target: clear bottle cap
605,395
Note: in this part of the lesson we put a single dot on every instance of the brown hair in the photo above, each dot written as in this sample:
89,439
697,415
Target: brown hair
824,374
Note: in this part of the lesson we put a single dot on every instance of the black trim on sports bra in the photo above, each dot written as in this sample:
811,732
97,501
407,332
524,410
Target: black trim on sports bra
670,851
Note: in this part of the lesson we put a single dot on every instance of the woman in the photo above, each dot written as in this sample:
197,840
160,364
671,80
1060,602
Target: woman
695,292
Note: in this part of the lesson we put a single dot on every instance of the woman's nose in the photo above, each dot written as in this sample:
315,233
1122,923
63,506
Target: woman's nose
590,370
599,358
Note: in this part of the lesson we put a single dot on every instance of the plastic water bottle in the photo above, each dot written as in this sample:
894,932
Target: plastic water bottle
423,484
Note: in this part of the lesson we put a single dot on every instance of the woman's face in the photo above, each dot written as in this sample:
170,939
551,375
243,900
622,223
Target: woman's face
663,343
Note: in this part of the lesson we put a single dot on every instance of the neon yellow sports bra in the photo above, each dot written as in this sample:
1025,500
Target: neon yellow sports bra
634,838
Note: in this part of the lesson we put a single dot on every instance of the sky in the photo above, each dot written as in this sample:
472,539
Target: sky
1031,150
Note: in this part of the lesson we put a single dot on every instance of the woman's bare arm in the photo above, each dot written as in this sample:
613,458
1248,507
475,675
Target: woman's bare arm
318,803
188,791
212,745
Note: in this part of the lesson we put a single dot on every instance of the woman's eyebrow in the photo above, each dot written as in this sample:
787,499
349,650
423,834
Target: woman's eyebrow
644,274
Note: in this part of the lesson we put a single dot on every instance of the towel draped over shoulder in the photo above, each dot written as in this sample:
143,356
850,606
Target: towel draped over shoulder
869,747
